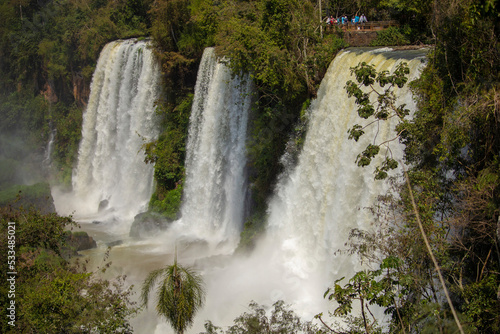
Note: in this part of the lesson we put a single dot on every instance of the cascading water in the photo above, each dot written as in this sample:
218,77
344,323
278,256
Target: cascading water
50,146
326,195
216,188
111,180
315,206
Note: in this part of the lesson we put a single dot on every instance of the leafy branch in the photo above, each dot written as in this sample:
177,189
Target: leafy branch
383,109
383,287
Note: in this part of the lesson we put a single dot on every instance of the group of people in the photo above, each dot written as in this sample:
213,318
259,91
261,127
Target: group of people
344,20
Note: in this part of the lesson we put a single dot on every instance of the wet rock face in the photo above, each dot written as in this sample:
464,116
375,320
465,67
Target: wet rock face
147,224
81,89
360,38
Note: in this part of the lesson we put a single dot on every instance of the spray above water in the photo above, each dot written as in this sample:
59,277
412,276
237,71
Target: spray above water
111,180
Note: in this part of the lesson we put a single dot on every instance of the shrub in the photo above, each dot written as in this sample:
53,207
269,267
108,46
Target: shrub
391,36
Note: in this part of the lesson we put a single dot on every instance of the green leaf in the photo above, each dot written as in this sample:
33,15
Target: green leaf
356,132
364,73
383,78
380,174
391,262
366,111
371,151
363,161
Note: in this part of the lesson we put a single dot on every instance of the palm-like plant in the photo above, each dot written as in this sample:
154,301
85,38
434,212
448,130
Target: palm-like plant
180,294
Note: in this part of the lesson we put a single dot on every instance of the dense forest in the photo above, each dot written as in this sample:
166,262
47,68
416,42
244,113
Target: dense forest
49,50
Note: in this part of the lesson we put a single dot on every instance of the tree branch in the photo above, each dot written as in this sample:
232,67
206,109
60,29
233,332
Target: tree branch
328,327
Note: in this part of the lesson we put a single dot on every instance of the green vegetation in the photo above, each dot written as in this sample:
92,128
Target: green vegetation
37,196
51,295
448,216
179,297
385,108
48,51
369,287
281,320
254,227
169,205
392,36
168,153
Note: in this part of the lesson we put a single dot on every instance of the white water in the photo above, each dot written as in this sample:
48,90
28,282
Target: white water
50,147
327,195
216,189
315,205
214,196
119,118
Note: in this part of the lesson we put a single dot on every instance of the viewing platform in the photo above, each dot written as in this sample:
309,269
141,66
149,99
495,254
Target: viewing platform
361,34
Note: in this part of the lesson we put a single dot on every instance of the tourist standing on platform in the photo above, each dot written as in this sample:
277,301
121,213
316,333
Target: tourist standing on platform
362,20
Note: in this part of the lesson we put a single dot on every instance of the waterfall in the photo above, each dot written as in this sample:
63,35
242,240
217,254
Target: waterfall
111,178
215,187
47,160
316,202
326,195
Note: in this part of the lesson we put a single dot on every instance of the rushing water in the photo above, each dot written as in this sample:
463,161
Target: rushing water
50,146
216,188
111,182
316,203
327,194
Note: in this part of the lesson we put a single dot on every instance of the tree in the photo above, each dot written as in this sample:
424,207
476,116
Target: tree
54,295
383,287
180,294
385,107
278,320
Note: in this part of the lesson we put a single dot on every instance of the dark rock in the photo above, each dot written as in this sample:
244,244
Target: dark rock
103,205
147,224
114,243
79,241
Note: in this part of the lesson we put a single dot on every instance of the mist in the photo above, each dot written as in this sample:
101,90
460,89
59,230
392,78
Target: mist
21,163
